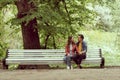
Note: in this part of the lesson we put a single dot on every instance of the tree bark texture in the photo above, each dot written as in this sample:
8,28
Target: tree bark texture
29,29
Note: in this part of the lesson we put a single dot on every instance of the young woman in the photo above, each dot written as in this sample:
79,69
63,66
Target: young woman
70,49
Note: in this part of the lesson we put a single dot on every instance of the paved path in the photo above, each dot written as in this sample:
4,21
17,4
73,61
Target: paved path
61,74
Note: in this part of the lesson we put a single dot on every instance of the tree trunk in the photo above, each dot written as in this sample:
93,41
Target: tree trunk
54,44
29,29
46,41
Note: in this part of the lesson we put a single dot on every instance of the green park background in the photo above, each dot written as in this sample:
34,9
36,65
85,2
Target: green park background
97,20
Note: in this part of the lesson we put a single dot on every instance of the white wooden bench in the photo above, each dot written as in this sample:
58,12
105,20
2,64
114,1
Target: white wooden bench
47,56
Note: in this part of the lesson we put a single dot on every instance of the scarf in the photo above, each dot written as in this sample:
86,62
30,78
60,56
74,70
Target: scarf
80,47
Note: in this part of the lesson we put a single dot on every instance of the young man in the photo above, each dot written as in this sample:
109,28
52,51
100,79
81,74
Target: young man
81,49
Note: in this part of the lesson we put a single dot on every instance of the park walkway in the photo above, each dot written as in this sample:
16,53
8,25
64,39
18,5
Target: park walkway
61,74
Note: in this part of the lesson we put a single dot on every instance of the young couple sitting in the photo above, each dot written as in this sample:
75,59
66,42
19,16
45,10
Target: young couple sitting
75,51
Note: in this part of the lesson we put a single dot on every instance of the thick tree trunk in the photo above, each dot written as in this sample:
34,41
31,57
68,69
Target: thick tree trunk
29,29
30,35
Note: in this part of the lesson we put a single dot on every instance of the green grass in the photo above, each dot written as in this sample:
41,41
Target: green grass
112,59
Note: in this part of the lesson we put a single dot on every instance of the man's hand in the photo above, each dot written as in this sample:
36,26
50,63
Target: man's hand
80,53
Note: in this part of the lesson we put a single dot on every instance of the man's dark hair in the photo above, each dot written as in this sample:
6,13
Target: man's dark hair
81,35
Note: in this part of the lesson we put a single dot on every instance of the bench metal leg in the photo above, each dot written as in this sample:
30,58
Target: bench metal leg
4,64
102,63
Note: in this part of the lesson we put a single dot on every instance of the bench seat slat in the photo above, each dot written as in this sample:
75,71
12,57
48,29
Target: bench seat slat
36,63
33,55
35,50
25,52
61,53
52,61
46,55
38,59
39,54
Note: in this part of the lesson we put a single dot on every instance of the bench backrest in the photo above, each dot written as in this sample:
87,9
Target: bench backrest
47,53
94,53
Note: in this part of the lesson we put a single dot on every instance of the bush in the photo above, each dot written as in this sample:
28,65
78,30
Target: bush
3,49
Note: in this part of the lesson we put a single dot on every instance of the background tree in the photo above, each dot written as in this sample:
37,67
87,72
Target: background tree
54,18
114,6
29,28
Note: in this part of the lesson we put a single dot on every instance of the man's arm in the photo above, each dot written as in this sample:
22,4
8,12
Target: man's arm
84,48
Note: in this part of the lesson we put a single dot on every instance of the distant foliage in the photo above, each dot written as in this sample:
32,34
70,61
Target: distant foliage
104,40
56,19
3,49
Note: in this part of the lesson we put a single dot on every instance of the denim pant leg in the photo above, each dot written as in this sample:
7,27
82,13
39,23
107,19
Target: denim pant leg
67,60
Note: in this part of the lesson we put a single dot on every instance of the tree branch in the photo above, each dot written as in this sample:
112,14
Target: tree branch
66,10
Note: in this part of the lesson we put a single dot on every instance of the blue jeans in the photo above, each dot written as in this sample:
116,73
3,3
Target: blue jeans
67,60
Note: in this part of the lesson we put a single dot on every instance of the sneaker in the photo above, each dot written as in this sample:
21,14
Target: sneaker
68,67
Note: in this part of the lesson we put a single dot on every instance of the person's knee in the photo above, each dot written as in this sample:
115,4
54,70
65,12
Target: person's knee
65,59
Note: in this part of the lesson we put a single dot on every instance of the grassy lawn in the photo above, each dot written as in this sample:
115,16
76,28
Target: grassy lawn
112,59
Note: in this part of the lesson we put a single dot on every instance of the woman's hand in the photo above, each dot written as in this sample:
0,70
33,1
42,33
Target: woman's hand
80,53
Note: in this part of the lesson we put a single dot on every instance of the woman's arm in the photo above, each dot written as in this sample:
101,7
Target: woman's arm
66,50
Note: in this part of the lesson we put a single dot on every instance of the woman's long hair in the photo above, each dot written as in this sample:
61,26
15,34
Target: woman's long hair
69,40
